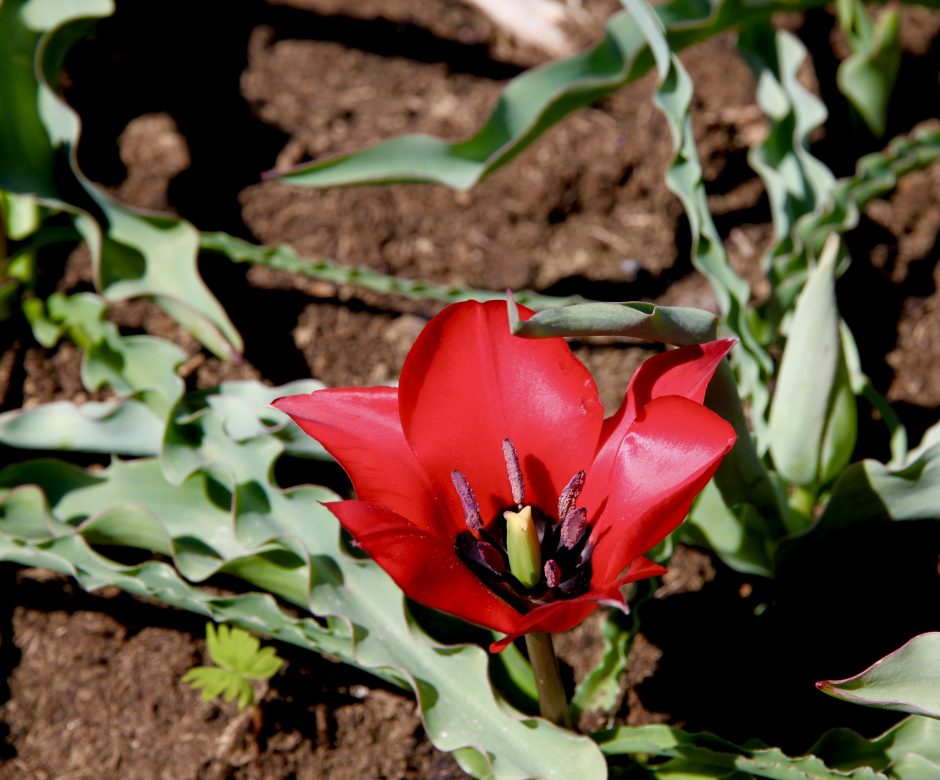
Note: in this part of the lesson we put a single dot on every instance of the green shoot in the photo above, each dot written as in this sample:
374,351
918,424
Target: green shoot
239,660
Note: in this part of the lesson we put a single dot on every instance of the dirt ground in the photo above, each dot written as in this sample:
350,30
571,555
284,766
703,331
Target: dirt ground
185,117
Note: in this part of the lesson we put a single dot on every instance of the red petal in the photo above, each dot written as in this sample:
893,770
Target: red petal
684,372
667,456
424,565
551,618
467,384
360,428
640,569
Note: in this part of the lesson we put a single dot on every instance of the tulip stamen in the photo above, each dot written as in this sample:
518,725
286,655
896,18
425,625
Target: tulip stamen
573,527
508,552
516,483
569,496
471,508
552,574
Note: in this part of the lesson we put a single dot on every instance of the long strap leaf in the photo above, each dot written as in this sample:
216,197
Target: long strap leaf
536,100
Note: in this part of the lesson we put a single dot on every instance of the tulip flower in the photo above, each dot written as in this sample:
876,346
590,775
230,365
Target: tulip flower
490,486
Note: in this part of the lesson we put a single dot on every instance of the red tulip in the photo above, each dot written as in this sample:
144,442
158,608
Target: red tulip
484,422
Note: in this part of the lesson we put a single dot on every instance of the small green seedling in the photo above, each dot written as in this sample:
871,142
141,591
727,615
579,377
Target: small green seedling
239,659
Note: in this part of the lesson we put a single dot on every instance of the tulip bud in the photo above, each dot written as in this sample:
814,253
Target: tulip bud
813,416
522,546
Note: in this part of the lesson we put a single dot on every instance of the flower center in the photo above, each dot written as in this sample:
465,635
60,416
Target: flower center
524,554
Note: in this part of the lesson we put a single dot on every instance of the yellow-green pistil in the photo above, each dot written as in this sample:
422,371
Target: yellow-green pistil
534,556
523,547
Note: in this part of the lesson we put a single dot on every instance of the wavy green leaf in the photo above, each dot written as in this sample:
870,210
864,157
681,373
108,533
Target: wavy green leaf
907,680
669,752
738,536
215,510
870,490
128,427
901,753
797,183
142,370
875,175
684,178
133,253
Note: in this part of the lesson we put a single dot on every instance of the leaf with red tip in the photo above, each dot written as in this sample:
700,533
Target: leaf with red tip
907,680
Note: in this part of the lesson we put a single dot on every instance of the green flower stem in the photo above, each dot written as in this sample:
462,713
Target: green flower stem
552,701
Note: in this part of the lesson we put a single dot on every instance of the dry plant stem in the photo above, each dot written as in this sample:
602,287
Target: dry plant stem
552,701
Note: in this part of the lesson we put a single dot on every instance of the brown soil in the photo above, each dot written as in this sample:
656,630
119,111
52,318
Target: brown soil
94,688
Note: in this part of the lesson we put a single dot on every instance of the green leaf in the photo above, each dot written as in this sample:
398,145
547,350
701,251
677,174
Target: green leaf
126,427
870,490
143,370
902,752
142,254
26,149
129,365
219,512
20,215
133,253
797,183
907,680
742,478
738,536
535,101
601,687
240,659
706,756
640,320
875,175
862,387
838,439
285,258
216,682
812,418
868,75
684,178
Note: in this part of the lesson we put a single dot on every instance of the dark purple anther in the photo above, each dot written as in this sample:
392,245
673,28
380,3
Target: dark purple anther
569,496
491,558
515,473
470,506
573,527
552,574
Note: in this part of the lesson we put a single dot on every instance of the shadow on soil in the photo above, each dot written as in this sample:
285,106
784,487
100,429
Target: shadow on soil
741,656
